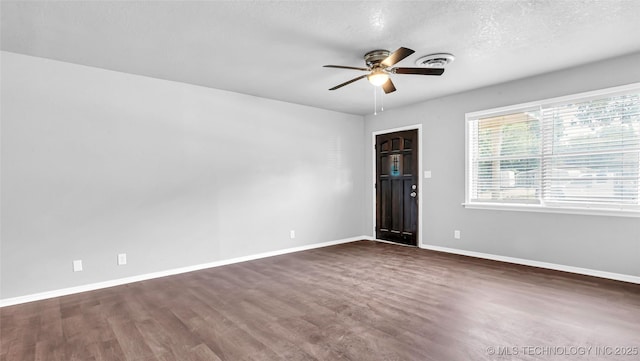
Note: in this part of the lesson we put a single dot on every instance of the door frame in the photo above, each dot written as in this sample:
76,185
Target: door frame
417,127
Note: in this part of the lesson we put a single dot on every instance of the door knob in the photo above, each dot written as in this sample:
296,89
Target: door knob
413,194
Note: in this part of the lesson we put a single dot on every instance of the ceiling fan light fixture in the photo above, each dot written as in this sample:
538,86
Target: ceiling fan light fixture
378,77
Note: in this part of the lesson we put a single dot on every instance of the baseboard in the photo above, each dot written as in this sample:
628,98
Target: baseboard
121,281
527,262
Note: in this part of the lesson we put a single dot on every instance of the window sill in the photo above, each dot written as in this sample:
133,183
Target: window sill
542,209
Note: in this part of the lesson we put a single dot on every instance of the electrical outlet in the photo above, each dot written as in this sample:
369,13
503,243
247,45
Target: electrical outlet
292,234
456,234
122,259
77,265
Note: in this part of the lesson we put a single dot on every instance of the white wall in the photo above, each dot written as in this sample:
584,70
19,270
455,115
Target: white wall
610,244
97,162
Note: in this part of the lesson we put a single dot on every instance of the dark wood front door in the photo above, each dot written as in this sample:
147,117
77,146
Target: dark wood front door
397,187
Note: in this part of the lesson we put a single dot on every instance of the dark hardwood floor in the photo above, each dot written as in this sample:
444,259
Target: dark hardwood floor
358,301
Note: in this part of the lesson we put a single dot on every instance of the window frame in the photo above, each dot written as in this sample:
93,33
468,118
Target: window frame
550,207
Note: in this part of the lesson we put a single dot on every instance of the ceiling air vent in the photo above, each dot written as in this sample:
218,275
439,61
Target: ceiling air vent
439,60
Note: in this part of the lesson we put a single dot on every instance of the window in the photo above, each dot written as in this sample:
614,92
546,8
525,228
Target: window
579,153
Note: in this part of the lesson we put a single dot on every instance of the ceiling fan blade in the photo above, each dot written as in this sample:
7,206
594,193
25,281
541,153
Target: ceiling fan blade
345,67
418,71
396,56
388,87
348,82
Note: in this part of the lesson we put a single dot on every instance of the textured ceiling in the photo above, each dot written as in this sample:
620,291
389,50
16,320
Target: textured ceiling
276,49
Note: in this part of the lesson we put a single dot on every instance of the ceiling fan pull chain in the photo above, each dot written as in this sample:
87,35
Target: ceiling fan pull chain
375,102
382,101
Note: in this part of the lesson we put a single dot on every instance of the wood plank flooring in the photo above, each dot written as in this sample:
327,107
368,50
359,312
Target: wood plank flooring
358,301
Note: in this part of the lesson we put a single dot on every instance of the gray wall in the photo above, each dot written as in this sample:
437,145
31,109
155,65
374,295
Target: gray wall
95,163
610,244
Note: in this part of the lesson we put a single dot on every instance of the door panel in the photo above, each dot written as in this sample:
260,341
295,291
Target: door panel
397,187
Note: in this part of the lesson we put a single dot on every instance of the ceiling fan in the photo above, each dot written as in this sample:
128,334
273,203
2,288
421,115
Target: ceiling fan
379,65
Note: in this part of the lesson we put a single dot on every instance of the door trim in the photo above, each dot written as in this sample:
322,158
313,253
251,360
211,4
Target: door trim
417,127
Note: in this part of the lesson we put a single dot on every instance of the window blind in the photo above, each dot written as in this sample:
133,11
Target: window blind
506,160
579,151
592,152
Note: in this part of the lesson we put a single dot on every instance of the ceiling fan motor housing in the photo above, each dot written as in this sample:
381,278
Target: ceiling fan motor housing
375,57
